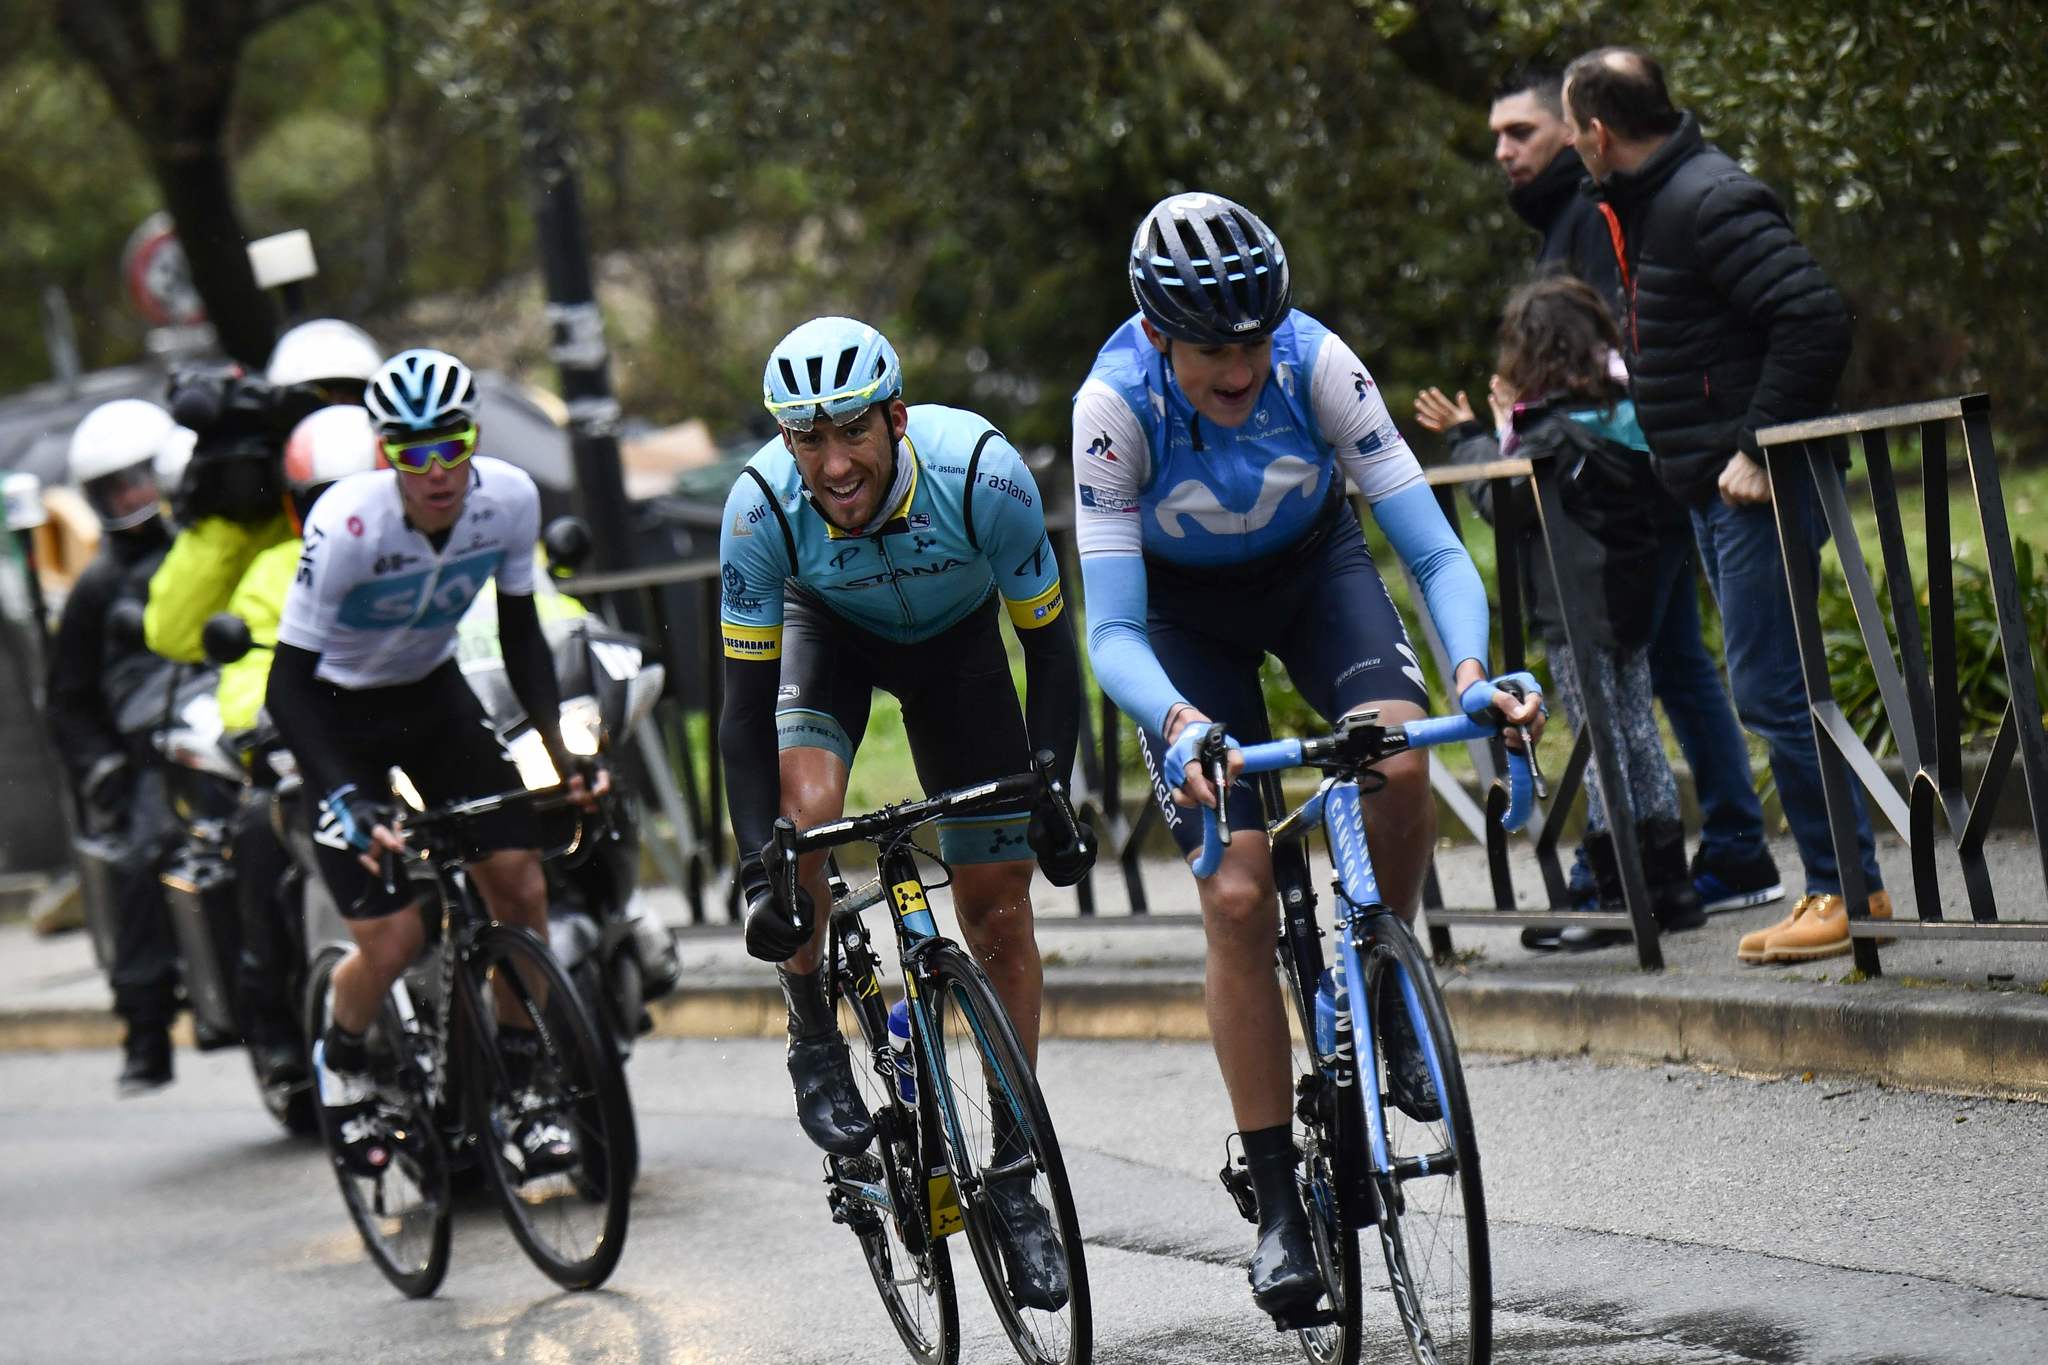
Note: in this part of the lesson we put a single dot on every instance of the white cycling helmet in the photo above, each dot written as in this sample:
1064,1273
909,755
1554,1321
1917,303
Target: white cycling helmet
114,450
323,349
421,390
330,444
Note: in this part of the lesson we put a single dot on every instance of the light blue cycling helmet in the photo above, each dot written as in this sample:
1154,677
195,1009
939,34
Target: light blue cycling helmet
834,367
421,390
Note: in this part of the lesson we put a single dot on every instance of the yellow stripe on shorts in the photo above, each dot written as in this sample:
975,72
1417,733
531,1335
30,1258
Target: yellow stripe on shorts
1041,610
751,642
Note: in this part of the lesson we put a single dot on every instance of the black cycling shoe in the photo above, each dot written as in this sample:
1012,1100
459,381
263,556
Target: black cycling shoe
362,1143
541,1142
828,1104
145,1060
1408,1080
1031,1249
1283,1272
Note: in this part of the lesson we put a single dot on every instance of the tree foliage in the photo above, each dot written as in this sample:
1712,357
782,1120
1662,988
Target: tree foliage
967,175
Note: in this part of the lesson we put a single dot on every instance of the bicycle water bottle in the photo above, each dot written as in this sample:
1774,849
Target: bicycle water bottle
1326,1013
899,1051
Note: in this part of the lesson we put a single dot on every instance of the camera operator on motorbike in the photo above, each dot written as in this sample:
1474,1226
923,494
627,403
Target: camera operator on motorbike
327,446
1212,443
864,548
98,673
228,498
365,677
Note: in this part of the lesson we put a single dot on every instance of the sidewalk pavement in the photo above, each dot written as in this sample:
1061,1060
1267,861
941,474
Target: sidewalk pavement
1947,1015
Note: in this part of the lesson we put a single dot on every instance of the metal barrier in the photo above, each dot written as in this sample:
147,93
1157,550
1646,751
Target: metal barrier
1918,685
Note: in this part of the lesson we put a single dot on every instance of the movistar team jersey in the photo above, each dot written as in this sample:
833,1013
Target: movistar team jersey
970,520
1153,476
374,598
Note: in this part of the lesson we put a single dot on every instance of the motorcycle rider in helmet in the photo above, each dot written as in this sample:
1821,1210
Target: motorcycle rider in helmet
96,671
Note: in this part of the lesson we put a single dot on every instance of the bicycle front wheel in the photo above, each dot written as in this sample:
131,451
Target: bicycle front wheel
1327,1143
1006,1161
1432,1207
912,1269
534,1059
401,1212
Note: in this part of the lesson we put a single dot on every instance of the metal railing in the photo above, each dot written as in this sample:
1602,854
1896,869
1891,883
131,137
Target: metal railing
1917,683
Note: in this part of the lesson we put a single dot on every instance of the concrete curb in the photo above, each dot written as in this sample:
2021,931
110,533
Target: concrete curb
1978,1042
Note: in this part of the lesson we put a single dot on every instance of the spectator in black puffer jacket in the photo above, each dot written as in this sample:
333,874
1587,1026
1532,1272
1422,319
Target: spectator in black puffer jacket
1730,326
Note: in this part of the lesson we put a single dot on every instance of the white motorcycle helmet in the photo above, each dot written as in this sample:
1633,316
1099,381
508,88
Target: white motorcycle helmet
113,460
330,444
324,350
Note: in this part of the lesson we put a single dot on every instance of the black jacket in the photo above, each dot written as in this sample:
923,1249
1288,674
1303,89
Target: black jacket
1731,325
1573,230
92,674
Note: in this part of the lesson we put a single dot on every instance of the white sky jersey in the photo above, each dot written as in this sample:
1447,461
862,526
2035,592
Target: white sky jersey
1193,511
375,600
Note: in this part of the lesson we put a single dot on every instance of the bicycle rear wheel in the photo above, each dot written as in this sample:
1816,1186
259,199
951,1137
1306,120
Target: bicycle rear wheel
1002,1132
912,1270
1432,1207
571,1222
402,1212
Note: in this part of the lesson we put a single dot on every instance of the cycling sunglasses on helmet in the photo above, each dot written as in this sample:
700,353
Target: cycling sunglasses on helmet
800,414
419,456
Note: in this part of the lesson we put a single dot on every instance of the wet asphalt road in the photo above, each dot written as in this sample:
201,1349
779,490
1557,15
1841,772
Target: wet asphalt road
1650,1216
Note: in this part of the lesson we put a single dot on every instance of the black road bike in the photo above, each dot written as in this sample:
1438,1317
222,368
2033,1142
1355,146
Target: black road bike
443,1092
957,1109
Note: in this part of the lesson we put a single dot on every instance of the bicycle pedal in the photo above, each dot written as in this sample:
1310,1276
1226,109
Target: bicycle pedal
1302,1319
1237,1179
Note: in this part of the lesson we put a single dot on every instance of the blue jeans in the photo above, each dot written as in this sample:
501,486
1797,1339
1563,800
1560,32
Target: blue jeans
1687,681
1739,550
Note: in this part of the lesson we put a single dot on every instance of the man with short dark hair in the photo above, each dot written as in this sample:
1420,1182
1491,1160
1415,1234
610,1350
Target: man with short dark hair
1732,867
1730,326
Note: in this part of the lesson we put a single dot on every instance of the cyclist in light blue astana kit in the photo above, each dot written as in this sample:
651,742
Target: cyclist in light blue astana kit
1213,441
867,546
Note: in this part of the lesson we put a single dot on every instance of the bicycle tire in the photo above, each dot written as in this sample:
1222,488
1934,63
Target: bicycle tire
1336,1239
998,1074
1430,1207
409,1247
928,1323
571,1224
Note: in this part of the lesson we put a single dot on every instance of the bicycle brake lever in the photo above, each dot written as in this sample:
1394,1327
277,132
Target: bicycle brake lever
1216,767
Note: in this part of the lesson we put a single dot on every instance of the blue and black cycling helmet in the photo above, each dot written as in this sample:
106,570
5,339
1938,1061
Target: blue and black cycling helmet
421,390
1206,270
832,367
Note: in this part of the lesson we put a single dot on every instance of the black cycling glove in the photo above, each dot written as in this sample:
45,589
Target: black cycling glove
1063,856
775,932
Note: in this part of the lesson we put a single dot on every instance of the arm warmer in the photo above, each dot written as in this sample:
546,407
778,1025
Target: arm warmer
753,775
299,705
530,668
1052,691
1419,533
1119,647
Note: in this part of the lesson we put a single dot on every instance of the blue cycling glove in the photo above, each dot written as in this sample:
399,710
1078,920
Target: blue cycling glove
1478,698
1183,751
355,815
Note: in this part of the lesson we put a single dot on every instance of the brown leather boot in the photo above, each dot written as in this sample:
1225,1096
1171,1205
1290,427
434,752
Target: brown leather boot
1823,931
1754,946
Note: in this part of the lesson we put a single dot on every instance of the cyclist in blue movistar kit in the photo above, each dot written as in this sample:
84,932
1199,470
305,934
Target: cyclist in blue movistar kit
867,547
1212,443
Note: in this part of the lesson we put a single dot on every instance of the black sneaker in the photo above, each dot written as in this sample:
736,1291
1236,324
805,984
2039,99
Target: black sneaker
540,1141
1283,1272
145,1060
1409,1085
828,1103
1736,883
1031,1249
362,1142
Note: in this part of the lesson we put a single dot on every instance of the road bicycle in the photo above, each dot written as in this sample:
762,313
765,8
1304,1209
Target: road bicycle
1405,1164
444,1089
957,1110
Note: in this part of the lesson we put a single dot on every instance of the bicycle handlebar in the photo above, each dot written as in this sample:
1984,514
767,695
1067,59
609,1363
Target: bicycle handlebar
1357,745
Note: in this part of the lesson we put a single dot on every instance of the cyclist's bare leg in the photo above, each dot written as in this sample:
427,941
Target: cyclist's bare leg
813,791
512,884
385,946
993,901
1247,1017
1400,819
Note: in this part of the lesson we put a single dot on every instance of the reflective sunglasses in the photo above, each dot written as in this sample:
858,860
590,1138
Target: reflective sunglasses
418,457
800,414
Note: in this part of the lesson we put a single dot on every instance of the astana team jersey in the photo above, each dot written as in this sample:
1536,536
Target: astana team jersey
1153,477
969,521
374,598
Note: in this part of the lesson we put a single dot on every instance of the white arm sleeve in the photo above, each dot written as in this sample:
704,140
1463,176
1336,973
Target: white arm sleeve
1353,418
1111,464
